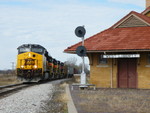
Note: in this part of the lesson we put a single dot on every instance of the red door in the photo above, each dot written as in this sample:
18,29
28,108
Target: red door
127,73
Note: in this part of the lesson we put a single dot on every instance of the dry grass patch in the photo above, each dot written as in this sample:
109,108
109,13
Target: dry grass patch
113,101
6,79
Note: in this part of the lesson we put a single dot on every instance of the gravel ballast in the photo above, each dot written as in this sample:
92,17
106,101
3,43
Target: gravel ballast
29,100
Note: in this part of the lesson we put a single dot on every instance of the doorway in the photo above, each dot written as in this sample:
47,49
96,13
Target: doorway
127,73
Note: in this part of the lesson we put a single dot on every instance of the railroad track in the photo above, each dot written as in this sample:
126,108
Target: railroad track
9,89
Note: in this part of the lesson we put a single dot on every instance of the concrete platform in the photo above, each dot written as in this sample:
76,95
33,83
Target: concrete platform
70,104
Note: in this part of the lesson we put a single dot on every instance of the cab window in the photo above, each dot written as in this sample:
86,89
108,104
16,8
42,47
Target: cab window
37,50
23,50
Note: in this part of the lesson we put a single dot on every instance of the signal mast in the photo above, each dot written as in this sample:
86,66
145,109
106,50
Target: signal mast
81,51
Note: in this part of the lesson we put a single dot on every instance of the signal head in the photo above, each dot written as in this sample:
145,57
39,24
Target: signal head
81,51
80,31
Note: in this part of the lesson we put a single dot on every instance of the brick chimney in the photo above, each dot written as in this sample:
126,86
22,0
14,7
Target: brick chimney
147,3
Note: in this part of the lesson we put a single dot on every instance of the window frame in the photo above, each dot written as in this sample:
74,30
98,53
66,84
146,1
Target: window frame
148,58
101,60
37,48
20,51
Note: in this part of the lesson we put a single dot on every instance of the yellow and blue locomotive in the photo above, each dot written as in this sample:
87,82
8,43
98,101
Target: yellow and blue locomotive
35,64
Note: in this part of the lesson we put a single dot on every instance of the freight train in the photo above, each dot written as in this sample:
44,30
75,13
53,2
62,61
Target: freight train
35,64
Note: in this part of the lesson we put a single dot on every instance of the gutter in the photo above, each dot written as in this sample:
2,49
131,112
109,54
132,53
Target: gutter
110,51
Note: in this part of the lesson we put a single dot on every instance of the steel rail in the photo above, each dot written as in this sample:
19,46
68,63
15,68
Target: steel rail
11,85
9,89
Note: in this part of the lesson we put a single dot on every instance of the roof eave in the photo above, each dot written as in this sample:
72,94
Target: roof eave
146,10
101,51
71,52
127,17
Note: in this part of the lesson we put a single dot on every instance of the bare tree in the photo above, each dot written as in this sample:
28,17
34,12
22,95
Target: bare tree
71,61
86,68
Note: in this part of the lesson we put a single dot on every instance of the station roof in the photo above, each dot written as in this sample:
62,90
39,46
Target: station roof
131,33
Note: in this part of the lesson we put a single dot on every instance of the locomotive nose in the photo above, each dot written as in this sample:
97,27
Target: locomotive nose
29,55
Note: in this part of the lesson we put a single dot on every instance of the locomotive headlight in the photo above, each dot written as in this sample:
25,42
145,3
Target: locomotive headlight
35,66
29,54
22,66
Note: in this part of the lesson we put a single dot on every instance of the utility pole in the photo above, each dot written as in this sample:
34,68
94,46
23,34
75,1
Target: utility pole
13,67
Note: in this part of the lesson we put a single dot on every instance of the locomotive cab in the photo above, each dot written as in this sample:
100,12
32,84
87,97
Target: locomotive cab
31,48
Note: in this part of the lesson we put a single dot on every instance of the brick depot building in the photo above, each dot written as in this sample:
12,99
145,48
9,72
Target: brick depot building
120,56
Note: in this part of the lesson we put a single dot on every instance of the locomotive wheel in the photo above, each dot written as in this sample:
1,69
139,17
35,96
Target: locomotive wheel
51,76
46,76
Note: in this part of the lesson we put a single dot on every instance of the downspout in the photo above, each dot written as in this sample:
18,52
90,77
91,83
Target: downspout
111,75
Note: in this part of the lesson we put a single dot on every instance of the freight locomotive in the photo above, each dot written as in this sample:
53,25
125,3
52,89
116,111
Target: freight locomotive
34,64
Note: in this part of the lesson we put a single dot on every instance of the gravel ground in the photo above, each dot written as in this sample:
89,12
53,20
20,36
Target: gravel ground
29,100
58,102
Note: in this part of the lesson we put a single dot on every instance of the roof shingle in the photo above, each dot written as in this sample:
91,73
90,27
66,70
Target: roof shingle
115,39
133,38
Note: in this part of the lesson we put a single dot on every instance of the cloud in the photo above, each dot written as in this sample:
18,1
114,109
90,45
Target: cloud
140,3
50,24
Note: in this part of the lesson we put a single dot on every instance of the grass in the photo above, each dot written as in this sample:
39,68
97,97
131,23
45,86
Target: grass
113,101
6,79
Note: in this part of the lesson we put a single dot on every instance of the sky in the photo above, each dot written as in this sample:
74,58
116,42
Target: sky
51,23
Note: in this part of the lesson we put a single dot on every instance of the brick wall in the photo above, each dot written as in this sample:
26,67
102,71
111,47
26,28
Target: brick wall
100,75
147,3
